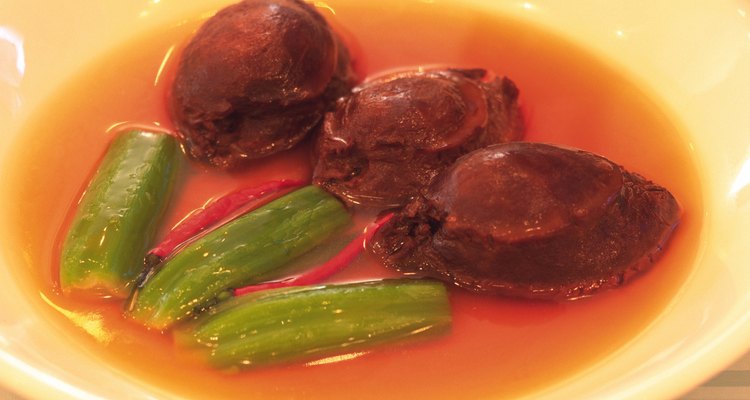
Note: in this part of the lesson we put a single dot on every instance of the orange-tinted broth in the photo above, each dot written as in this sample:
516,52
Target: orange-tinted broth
497,346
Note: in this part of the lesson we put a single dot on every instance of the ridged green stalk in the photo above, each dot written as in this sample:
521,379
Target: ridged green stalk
238,253
119,213
313,322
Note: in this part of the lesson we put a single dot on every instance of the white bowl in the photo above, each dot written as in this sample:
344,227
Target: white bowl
693,56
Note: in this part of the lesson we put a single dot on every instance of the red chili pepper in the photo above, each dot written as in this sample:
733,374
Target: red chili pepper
330,267
215,211
201,219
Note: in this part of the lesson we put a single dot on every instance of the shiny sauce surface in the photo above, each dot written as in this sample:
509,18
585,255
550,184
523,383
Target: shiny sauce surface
498,346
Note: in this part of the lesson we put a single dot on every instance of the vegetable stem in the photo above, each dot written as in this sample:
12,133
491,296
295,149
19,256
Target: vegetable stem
119,213
313,322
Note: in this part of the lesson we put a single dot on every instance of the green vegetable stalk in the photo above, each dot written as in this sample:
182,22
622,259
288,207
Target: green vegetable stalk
313,322
119,213
238,253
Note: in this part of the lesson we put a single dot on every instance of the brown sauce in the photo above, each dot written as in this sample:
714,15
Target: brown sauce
500,347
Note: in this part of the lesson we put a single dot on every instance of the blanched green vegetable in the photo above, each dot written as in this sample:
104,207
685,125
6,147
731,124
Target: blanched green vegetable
238,253
119,213
312,322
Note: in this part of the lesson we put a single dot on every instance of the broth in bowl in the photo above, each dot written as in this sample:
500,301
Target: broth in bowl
497,346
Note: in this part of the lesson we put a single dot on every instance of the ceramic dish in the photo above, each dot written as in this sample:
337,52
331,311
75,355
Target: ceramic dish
694,59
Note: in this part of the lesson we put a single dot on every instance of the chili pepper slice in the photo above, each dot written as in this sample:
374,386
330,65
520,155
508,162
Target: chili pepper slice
319,273
217,210
237,253
203,218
